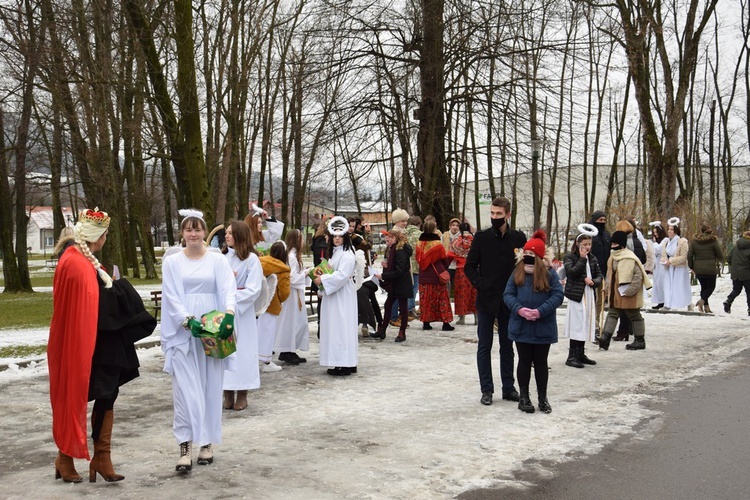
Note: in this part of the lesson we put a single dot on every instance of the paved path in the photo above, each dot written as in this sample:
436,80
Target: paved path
698,448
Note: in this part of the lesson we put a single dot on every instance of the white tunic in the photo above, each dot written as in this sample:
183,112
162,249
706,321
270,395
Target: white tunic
657,281
580,321
677,292
338,312
248,276
193,288
270,235
292,330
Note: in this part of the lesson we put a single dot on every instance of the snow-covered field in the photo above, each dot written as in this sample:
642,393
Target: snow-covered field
408,425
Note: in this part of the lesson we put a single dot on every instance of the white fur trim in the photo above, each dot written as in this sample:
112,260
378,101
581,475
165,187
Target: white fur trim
335,226
654,223
189,212
587,229
674,221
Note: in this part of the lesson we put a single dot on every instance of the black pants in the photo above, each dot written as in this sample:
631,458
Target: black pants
708,285
372,289
403,310
737,287
536,355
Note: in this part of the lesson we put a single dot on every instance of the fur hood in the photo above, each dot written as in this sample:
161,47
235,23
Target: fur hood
704,238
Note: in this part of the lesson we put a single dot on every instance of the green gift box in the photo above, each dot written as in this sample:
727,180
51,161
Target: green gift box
213,346
324,267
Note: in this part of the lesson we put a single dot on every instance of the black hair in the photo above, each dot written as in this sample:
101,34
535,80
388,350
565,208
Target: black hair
347,244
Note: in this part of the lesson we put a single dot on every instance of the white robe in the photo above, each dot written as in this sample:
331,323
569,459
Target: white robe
249,278
193,288
292,330
677,291
580,321
657,281
338,312
270,235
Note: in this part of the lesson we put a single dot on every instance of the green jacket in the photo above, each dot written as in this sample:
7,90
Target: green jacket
705,255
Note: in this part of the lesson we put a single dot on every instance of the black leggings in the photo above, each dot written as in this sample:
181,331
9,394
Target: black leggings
402,308
532,354
97,414
708,285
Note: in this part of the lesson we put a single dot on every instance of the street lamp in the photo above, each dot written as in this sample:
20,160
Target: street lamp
536,146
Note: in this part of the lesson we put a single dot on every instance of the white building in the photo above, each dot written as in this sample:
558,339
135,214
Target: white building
40,236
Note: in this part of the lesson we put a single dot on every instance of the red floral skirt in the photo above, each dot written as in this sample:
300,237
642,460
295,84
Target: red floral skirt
464,294
434,304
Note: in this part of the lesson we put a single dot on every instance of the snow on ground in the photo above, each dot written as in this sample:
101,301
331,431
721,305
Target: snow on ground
408,426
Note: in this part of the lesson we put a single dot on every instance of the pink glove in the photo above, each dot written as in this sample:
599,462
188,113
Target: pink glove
524,312
533,315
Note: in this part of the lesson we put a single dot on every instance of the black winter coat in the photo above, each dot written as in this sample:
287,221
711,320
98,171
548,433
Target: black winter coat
490,263
397,275
575,274
601,246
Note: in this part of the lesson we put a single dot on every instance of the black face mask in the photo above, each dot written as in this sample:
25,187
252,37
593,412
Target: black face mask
616,247
529,259
599,226
498,223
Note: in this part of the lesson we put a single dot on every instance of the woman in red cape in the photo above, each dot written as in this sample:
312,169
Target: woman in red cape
434,301
90,352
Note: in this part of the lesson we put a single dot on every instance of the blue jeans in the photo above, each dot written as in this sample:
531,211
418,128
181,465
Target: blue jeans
412,304
485,337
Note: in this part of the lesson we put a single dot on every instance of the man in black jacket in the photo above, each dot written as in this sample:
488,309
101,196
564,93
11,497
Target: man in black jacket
601,246
489,265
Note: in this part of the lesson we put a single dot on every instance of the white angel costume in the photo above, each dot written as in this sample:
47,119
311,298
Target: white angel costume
657,281
580,321
249,279
676,281
338,312
292,330
193,288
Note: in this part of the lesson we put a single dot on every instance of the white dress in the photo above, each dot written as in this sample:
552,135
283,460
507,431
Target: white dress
193,288
677,292
580,321
292,330
338,312
248,275
657,282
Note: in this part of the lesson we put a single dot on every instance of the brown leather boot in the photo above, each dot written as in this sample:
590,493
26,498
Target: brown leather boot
101,461
228,400
239,404
65,469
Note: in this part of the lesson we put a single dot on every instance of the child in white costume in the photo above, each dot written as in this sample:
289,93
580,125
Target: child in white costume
195,281
248,276
338,309
292,330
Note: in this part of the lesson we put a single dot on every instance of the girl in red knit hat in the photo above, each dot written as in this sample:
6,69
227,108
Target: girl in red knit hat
533,295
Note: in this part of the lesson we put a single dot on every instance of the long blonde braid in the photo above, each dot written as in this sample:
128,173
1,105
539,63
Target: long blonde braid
94,261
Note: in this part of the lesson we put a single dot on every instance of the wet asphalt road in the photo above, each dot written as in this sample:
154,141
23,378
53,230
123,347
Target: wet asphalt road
699,448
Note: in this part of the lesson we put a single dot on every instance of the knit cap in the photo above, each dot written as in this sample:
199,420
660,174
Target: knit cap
620,238
399,215
537,243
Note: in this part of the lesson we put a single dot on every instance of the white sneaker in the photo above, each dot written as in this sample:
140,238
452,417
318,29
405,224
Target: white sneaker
269,367
206,455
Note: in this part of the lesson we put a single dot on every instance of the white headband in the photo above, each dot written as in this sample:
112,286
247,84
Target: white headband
189,212
587,229
674,221
338,226
256,209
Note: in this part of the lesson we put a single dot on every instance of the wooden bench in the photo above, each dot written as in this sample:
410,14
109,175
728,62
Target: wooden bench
311,300
156,300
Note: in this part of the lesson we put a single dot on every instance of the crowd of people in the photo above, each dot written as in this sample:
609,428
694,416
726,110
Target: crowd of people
255,283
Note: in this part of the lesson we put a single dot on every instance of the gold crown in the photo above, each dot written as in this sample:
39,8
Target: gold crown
95,217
